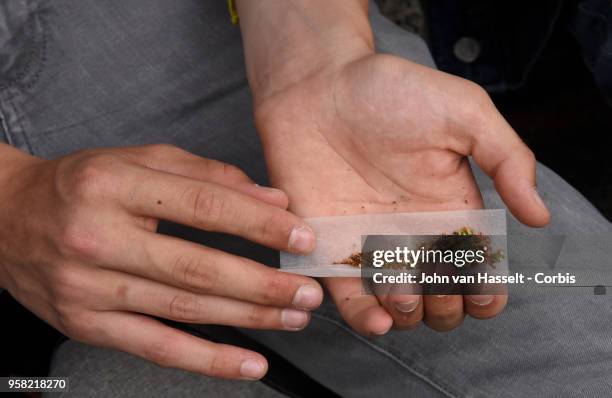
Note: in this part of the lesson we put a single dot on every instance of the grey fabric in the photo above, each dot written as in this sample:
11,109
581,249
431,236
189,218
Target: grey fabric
390,38
86,73
130,72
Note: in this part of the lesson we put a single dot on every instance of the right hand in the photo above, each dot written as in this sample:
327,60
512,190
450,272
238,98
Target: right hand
79,248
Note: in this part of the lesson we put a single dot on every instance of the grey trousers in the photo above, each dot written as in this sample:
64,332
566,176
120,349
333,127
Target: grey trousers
77,74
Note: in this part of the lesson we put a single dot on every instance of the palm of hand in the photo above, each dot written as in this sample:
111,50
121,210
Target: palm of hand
364,144
383,134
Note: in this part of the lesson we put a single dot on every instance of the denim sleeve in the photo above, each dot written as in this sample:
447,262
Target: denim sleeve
390,38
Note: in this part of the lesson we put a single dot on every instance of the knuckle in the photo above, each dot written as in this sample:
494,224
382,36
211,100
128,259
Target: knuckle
67,286
479,103
256,317
275,290
76,240
161,352
207,205
529,155
476,92
74,324
215,366
185,308
194,272
95,176
270,226
58,277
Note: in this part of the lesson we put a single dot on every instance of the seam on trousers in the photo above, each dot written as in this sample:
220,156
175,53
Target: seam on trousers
12,123
28,76
444,389
4,126
36,50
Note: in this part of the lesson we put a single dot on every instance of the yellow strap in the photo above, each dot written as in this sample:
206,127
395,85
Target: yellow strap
231,5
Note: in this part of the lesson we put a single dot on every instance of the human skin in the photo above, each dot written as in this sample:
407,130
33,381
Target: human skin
348,131
79,248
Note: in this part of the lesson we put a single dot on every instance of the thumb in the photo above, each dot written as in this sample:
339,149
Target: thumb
500,153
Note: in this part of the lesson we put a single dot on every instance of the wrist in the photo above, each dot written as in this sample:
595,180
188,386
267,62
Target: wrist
288,41
14,166
12,163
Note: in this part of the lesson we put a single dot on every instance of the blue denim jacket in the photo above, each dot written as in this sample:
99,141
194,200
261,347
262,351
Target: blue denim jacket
496,43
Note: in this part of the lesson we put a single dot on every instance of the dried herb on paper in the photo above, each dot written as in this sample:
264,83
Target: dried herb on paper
475,242
353,260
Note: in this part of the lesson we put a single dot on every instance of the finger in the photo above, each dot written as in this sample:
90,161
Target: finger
167,347
172,159
175,160
443,313
405,304
499,151
216,208
484,306
133,294
406,310
361,311
204,270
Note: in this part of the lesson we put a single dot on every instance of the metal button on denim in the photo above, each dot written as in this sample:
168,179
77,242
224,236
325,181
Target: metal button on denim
467,49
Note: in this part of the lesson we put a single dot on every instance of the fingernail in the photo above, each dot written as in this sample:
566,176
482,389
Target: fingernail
294,319
307,297
270,189
407,306
301,239
481,300
381,333
252,369
538,198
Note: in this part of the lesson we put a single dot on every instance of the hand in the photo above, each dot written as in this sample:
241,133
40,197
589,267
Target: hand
79,249
382,134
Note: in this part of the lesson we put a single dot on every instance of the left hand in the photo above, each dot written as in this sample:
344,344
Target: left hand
383,134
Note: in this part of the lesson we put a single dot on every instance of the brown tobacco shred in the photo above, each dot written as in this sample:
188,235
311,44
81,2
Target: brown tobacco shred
354,260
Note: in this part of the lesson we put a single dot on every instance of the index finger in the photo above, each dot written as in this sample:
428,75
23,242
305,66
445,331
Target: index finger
213,207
